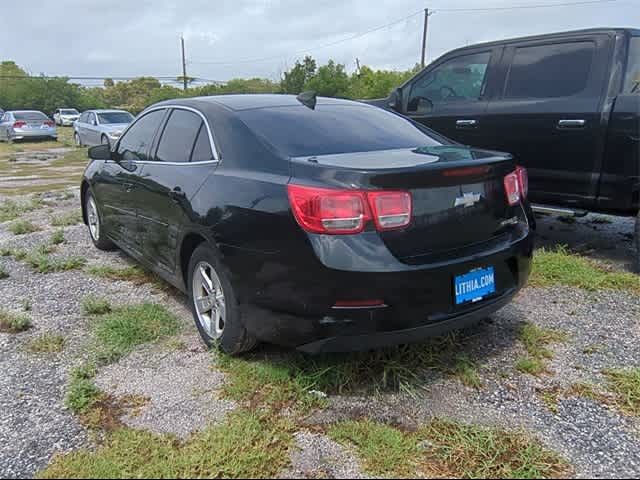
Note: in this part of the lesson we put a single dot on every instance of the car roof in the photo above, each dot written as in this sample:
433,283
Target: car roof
24,111
106,110
547,36
254,101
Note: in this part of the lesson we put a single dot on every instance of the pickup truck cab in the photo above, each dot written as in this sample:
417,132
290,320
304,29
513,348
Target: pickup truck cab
566,105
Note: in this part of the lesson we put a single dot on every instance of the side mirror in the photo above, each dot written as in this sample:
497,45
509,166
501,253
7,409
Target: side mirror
100,152
395,100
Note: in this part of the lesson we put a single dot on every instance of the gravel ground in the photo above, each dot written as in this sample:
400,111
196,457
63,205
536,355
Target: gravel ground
181,388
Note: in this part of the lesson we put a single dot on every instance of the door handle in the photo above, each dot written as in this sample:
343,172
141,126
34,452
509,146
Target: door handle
128,187
573,123
470,123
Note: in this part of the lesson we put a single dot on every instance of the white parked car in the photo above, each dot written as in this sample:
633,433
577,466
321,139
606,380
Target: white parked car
66,116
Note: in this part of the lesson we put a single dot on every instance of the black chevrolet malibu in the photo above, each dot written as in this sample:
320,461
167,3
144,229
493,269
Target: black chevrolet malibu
320,224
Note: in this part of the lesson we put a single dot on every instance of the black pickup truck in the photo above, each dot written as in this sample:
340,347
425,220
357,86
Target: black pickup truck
566,105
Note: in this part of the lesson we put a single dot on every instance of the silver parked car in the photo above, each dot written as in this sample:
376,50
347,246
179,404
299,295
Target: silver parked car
95,127
65,116
23,124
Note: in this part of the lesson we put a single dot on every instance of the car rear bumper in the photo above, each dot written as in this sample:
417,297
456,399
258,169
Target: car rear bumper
295,306
20,134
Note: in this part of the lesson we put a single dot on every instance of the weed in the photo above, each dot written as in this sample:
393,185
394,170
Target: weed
532,366
131,274
23,227
67,219
57,238
92,305
3,272
625,384
467,371
13,323
47,343
536,340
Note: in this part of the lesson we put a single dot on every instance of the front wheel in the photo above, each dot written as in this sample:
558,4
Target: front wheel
94,222
214,304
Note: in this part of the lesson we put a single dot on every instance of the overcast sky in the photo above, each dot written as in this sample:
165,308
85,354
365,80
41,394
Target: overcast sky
249,38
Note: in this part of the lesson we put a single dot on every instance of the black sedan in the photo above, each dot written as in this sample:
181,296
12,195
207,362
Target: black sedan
320,224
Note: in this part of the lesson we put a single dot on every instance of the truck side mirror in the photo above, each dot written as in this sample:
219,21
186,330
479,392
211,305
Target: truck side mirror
395,100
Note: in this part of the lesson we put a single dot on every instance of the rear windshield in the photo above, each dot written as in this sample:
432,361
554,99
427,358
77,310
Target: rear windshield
333,129
29,116
632,78
69,112
115,117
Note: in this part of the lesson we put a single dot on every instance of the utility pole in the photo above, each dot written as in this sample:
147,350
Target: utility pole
424,36
184,66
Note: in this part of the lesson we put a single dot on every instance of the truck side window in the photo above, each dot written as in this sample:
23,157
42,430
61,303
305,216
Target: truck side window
550,71
459,79
632,78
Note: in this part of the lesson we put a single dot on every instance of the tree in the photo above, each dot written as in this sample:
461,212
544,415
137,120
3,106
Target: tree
331,80
294,80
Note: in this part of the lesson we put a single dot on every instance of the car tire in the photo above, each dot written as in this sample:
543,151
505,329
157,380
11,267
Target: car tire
95,225
78,141
104,140
637,241
220,328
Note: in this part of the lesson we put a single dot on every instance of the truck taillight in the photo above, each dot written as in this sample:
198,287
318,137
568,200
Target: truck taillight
516,185
342,212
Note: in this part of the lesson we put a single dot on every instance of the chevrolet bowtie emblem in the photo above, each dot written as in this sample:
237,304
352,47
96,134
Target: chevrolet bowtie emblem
467,200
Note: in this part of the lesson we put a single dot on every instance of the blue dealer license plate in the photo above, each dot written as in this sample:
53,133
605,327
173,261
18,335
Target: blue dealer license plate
475,285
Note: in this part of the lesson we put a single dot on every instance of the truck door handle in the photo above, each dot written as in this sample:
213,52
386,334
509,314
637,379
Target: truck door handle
470,123
574,123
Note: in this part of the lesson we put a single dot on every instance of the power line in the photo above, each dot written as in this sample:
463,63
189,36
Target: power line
395,22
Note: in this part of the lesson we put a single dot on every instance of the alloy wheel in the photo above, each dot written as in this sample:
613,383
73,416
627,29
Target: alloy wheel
93,219
209,300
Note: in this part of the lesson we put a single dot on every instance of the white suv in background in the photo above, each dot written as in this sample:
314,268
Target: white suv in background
66,116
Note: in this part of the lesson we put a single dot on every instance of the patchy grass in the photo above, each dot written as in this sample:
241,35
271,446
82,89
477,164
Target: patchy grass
26,305
82,393
385,451
399,368
3,272
67,219
13,322
132,274
23,227
47,343
93,305
57,237
10,209
40,259
536,341
447,449
120,331
470,451
625,385
466,371
561,267
246,445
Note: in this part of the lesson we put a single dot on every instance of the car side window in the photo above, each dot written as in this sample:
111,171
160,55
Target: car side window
549,71
135,143
202,149
459,79
632,77
179,136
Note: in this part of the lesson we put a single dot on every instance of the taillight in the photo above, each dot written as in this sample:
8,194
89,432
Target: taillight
516,185
336,212
19,124
321,210
523,180
49,123
390,209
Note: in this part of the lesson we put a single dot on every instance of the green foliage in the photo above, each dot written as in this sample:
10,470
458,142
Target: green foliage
82,393
23,227
118,332
625,384
3,272
536,340
40,260
561,267
133,274
331,79
13,323
92,305
57,237
246,445
67,219
47,343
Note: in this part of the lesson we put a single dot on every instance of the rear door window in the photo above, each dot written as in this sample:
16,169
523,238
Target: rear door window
135,143
632,77
202,149
179,136
550,71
